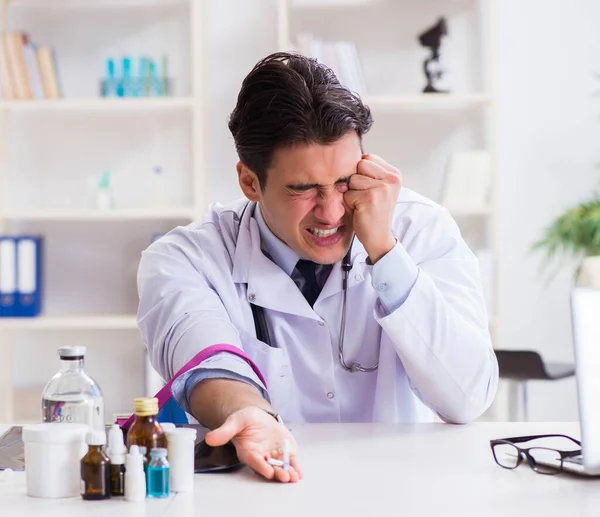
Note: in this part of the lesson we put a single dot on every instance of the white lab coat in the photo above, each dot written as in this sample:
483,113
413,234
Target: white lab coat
434,352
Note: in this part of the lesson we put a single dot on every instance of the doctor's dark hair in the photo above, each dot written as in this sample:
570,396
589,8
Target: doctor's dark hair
289,99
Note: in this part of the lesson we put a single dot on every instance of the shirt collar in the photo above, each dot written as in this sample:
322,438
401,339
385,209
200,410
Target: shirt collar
279,252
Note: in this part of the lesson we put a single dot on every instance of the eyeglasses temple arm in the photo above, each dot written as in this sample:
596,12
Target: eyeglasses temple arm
521,439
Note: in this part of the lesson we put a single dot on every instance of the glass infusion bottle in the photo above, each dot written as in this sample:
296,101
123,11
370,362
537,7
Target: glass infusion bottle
71,395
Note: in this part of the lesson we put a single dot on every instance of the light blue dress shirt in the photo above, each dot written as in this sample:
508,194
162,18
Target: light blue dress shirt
393,277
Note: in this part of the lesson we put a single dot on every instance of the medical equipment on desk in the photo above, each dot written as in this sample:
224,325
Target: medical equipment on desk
52,459
180,447
260,322
145,430
95,468
72,396
116,453
157,475
135,478
70,459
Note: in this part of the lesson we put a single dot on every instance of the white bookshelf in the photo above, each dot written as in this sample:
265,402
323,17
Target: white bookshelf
427,101
93,5
100,105
91,251
84,322
100,216
413,130
326,4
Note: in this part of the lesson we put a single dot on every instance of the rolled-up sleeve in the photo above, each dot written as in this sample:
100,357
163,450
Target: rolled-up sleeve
179,313
220,366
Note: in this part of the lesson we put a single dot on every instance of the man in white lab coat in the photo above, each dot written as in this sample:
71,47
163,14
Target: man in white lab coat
330,294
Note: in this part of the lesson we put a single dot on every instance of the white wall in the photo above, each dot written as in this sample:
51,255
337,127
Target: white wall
549,51
548,132
241,33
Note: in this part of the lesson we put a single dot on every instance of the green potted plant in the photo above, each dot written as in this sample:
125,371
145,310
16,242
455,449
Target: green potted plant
575,236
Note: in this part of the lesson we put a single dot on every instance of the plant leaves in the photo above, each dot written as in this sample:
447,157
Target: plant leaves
572,235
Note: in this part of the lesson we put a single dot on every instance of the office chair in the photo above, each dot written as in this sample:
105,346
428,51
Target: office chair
521,366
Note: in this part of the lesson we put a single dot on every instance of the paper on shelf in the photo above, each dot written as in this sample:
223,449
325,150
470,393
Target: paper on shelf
467,180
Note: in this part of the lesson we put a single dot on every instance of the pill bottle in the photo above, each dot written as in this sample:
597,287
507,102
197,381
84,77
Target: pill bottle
181,442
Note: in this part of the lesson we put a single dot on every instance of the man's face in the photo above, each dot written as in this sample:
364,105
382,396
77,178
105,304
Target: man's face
303,201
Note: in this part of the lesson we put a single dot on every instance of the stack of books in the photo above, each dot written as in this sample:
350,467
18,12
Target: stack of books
27,71
341,56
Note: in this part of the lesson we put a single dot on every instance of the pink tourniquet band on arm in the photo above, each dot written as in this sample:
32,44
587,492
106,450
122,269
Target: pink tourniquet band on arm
165,393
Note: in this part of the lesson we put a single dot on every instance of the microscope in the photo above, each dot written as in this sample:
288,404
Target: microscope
432,66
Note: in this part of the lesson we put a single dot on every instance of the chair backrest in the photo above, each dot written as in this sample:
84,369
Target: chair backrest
520,365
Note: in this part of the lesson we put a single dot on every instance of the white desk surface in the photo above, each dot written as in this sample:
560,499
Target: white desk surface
364,469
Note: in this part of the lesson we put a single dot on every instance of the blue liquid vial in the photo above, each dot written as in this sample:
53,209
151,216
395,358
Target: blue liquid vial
158,473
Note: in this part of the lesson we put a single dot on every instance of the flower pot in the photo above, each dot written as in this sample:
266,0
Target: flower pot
589,272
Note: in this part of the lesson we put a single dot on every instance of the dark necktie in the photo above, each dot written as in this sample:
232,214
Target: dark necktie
308,270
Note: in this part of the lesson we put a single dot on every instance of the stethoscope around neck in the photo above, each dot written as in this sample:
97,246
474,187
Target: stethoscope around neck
260,322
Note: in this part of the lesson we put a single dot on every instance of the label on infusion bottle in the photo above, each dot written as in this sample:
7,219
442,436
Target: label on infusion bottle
87,411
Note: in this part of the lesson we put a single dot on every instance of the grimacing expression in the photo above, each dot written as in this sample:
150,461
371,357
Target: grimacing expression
303,199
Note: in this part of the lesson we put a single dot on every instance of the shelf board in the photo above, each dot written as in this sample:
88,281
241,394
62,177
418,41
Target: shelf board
484,210
118,322
100,104
98,215
97,4
323,4
427,101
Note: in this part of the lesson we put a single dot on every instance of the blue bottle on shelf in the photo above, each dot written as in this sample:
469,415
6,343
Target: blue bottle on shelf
158,473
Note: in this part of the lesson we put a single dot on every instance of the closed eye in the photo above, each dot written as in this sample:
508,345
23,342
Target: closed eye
303,187
304,191
341,185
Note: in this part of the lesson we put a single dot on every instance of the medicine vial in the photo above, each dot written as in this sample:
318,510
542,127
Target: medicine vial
116,453
158,473
72,396
145,430
95,468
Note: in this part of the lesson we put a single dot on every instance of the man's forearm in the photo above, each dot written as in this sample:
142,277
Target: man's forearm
446,341
213,400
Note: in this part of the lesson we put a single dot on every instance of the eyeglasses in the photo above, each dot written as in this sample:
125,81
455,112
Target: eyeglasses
509,456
